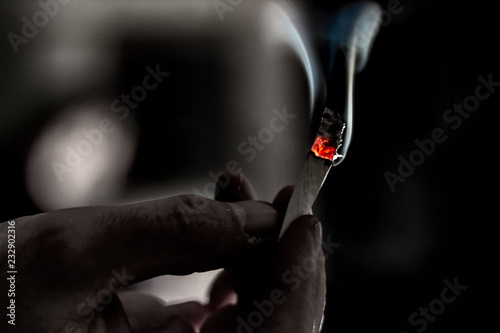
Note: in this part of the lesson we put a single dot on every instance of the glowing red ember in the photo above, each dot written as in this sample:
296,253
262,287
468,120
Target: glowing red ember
323,147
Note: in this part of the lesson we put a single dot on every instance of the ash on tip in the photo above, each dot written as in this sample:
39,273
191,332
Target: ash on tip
332,126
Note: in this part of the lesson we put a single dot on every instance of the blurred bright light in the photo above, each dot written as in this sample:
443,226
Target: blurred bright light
80,158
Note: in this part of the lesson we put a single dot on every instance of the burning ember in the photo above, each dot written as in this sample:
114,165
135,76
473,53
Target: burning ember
323,147
329,137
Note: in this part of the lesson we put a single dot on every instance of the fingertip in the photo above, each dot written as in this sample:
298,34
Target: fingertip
302,239
232,186
222,291
282,198
305,225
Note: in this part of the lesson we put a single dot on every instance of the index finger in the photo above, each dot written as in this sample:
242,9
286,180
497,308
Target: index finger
176,235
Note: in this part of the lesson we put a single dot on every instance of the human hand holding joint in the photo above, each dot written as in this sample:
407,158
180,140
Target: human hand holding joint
75,264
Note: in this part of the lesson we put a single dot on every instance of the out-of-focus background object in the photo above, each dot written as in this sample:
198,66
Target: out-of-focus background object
172,81
102,99
108,102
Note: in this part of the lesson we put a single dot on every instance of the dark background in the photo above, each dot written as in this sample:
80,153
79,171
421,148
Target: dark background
396,248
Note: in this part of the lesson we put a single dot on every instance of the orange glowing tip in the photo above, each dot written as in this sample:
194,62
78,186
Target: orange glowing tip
323,147
329,137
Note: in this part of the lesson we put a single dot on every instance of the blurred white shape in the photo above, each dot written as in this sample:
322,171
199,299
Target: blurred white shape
175,289
80,158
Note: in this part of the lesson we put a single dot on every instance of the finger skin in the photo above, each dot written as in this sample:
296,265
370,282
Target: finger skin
233,187
72,255
285,285
282,199
177,235
301,270
222,291
289,284
221,320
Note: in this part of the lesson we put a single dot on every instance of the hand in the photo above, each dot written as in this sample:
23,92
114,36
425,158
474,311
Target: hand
73,263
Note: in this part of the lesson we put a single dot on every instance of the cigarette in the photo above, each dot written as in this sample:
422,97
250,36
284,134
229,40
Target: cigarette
351,36
316,167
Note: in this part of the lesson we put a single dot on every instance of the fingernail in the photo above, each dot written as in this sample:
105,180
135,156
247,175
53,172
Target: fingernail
260,219
318,233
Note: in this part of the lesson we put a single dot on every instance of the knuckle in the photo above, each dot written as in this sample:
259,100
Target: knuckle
198,220
204,226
